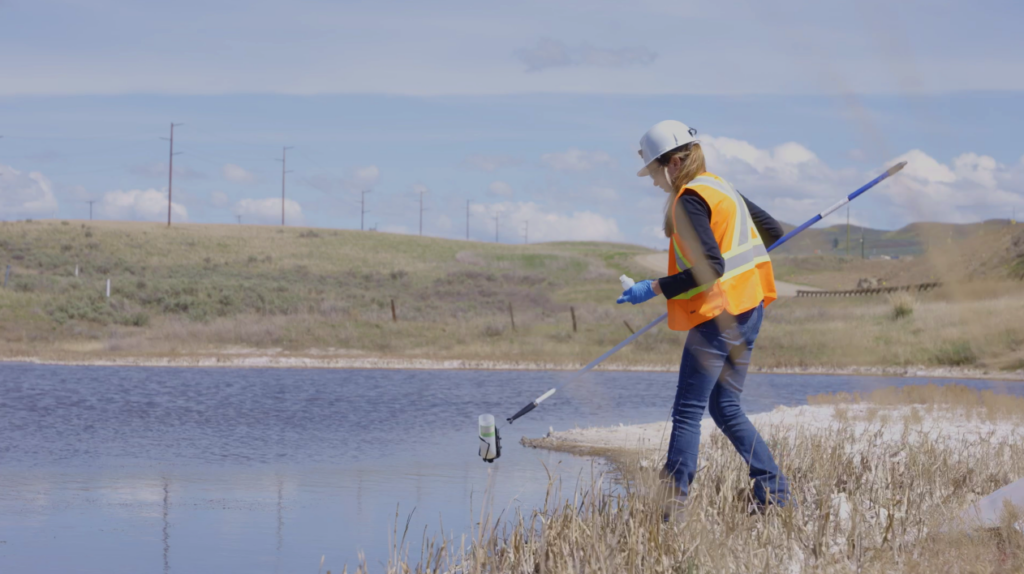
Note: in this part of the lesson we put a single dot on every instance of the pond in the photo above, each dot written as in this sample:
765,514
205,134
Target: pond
124,469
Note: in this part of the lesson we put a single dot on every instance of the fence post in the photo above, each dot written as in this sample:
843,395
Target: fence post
511,316
573,312
108,287
394,316
7,274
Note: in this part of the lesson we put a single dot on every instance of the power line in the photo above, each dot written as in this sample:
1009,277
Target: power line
422,191
363,211
284,170
170,171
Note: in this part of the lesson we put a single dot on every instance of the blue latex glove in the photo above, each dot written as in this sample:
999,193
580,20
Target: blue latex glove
642,291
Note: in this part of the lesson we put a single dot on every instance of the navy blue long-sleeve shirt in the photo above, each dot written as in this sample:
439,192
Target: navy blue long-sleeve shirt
710,267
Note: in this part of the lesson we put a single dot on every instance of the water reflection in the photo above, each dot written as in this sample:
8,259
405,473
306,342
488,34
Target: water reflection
167,526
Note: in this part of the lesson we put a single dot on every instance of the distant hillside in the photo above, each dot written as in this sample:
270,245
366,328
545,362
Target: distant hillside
941,252
914,239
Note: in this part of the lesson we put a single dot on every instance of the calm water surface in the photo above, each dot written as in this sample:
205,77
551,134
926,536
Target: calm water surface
110,470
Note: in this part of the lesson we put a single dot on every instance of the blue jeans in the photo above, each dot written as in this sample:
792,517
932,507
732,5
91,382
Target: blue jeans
715,361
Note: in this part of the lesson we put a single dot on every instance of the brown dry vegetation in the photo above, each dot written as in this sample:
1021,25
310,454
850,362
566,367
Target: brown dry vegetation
207,290
875,497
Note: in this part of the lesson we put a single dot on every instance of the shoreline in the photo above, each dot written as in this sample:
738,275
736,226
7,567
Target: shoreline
273,360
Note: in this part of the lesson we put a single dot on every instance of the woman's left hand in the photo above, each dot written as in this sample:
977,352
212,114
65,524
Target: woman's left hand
642,291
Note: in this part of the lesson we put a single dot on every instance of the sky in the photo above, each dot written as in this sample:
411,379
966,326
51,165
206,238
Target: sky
531,111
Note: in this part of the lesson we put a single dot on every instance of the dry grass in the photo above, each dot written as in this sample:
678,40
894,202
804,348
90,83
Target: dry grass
945,329
877,496
965,401
209,289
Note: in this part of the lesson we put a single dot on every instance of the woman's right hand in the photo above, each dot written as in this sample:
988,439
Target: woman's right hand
642,291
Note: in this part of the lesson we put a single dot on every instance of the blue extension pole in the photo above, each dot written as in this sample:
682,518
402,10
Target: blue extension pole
892,170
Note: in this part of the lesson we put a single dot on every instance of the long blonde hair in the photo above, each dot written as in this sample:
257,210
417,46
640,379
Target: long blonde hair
693,165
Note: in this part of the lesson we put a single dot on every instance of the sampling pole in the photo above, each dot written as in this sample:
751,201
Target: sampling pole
892,170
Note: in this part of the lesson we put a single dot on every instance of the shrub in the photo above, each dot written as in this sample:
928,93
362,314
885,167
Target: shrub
955,354
903,305
494,330
138,319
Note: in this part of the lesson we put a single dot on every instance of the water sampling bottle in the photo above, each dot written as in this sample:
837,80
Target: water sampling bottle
490,442
626,282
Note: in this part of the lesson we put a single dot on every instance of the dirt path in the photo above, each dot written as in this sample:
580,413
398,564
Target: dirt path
656,262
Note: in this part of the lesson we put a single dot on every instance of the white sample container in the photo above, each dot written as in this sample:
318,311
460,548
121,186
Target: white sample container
626,282
488,438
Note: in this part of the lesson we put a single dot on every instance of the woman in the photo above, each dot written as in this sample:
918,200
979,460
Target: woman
719,280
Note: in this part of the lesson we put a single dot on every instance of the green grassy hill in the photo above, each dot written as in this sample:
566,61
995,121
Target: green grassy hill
229,291
194,288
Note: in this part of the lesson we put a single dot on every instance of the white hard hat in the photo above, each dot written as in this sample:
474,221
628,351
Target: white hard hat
664,136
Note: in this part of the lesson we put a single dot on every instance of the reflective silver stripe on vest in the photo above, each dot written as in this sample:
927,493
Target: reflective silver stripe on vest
681,263
739,258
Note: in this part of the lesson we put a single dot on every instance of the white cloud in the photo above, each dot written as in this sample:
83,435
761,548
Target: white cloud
490,162
219,199
972,188
544,225
793,183
237,174
357,180
549,53
25,194
268,211
138,204
159,169
655,232
500,188
365,177
576,160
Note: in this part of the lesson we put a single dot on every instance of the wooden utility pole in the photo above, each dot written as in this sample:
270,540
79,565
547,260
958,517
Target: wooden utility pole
422,191
496,227
362,209
284,170
526,232
170,172
90,202
847,230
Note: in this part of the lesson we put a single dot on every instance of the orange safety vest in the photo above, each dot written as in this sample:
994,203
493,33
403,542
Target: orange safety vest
747,279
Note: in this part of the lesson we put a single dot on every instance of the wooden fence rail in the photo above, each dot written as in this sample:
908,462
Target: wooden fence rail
920,287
